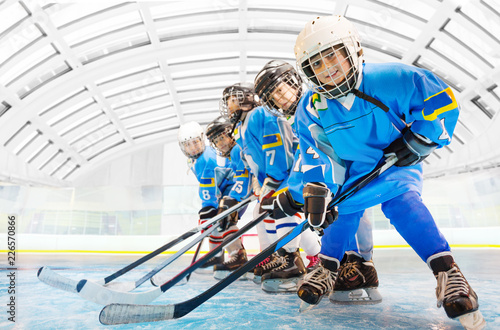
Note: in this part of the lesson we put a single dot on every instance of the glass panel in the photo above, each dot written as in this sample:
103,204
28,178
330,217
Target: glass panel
93,223
383,19
135,87
25,57
419,8
111,23
456,54
61,101
77,225
10,16
493,5
483,17
64,112
127,41
92,116
425,63
478,45
69,13
43,78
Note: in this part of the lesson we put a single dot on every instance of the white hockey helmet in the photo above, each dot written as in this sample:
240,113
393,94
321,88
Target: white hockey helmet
191,139
326,35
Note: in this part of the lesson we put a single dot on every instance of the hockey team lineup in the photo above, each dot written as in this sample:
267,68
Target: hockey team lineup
314,146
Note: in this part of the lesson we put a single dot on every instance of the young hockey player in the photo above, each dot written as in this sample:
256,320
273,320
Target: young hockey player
280,89
219,133
267,143
216,180
357,114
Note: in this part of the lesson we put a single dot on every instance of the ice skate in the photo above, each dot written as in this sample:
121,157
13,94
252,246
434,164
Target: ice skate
285,277
207,268
454,293
313,263
314,286
238,258
357,283
266,266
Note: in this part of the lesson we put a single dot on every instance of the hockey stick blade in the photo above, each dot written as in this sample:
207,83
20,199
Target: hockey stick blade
102,295
123,314
96,292
129,313
48,276
89,291
126,313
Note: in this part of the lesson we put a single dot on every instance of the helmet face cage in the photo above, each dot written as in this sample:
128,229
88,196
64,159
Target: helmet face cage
235,100
283,95
193,147
332,70
221,139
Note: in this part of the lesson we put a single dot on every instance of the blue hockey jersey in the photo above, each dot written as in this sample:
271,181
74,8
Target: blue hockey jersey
342,140
242,187
267,144
214,175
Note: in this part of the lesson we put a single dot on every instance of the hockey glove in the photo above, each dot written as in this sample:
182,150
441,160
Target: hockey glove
410,149
285,206
225,203
269,187
316,199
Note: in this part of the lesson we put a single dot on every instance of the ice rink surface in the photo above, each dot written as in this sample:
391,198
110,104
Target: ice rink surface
406,284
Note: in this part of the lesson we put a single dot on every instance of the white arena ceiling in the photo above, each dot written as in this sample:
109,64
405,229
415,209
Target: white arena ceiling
84,83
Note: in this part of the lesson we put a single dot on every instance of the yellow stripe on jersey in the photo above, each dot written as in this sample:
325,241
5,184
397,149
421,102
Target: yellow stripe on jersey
276,193
271,141
241,174
439,103
207,182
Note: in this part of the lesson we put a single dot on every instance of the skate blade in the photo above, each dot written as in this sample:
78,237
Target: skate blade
305,307
280,285
222,274
473,321
367,296
204,270
257,279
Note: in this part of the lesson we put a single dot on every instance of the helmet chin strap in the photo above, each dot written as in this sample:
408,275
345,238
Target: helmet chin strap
343,89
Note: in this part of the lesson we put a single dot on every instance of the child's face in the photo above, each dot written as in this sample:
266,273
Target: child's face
331,66
284,95
224,143
194,146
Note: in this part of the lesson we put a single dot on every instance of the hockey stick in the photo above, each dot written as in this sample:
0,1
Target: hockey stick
129,313
128,286
103,295
194,258
48,276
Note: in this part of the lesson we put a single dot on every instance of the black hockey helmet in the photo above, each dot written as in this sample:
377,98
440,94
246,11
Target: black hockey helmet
242,98
220,134
279,87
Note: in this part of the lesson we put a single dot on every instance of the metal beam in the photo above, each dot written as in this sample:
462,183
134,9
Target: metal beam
162,61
